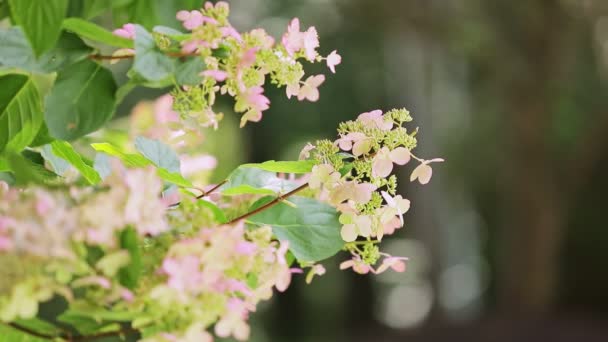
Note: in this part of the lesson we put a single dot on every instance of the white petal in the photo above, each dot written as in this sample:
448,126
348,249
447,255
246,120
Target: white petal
349,232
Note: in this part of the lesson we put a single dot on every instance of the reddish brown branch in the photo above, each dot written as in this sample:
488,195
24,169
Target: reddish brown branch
205,193
269,204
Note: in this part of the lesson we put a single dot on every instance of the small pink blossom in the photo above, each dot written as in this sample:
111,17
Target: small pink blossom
292,89
355,226
309,89
311,43
194,19
358,265
382,164
218,75
323,176
246,248
332,60
399,204
397,264
315,270
375,119
292,39
358,142
423,172
192,164
360,193
127,295
305,153
183,273
163,110
229,31
126,31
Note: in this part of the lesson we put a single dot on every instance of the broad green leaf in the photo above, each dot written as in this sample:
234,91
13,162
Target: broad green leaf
312,227
91,320
218,213
129,159
188,73
59,165
158,153
41,21
65,151
248,180
13,335
42,137
173,177
129,275
302,166
40,326
20,111
138,79
82,100
102,165
138,160
150,62
26,171
17,53
91,31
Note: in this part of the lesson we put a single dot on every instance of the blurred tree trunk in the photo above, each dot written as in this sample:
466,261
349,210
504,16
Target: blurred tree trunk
533,221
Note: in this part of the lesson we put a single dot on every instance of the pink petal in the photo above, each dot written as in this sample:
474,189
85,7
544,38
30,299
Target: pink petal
400,155
381,167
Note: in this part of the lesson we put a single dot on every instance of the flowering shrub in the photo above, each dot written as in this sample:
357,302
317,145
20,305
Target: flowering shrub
132,240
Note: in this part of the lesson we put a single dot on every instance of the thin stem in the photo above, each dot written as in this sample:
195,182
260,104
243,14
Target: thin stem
126,330
269,204
356,243
29,331
205,193
170,54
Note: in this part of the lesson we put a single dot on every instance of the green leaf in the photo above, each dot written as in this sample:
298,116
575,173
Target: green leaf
40,326
91,31
13,335
187,73
59,165
174,177
158,153
65,151
218,213
42,137
150,62
20,111
302,166
138,79
312,227
69,50
17,53
26,171
82,100
129,159
129,275
248,180
89,320
102,165
41,21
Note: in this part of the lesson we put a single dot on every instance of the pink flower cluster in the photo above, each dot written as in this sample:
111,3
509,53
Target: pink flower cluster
246,61
214,269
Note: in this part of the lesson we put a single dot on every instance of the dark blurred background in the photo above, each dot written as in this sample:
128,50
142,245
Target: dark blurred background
508,242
